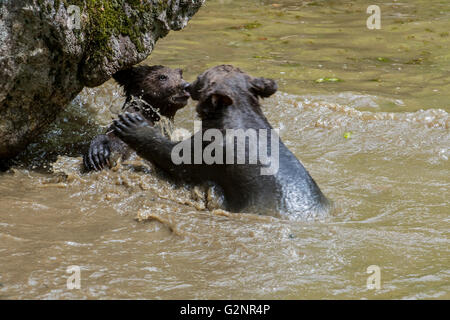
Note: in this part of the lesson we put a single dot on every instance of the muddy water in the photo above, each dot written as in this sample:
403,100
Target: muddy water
376,142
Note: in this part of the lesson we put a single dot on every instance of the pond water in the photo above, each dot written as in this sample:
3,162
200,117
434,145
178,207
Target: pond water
366,111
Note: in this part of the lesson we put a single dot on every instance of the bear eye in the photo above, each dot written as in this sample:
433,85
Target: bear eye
162,77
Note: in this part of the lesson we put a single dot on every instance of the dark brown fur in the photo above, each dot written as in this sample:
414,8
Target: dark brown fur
229,99
164,92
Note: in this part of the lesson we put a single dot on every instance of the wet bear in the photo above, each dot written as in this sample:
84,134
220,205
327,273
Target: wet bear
228,103
161,91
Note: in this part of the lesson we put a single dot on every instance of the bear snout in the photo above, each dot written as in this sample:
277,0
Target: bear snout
193,91
186,85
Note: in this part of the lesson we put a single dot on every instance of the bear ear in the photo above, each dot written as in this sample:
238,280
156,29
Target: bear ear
221,100
179,71
264,87
124,77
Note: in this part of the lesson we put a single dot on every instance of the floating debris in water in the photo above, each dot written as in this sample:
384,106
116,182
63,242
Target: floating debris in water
383,59
415,61
348,134
247,26
321,80
261,57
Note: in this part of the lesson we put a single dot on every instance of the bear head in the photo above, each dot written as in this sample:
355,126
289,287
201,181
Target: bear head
226,85
161,87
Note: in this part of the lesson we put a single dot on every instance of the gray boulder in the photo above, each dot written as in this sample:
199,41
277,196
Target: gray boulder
51,49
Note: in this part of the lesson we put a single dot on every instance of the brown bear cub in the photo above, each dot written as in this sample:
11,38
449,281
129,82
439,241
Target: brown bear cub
162,92
228,105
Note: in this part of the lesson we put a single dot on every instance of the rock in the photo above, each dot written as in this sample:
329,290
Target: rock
49,52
